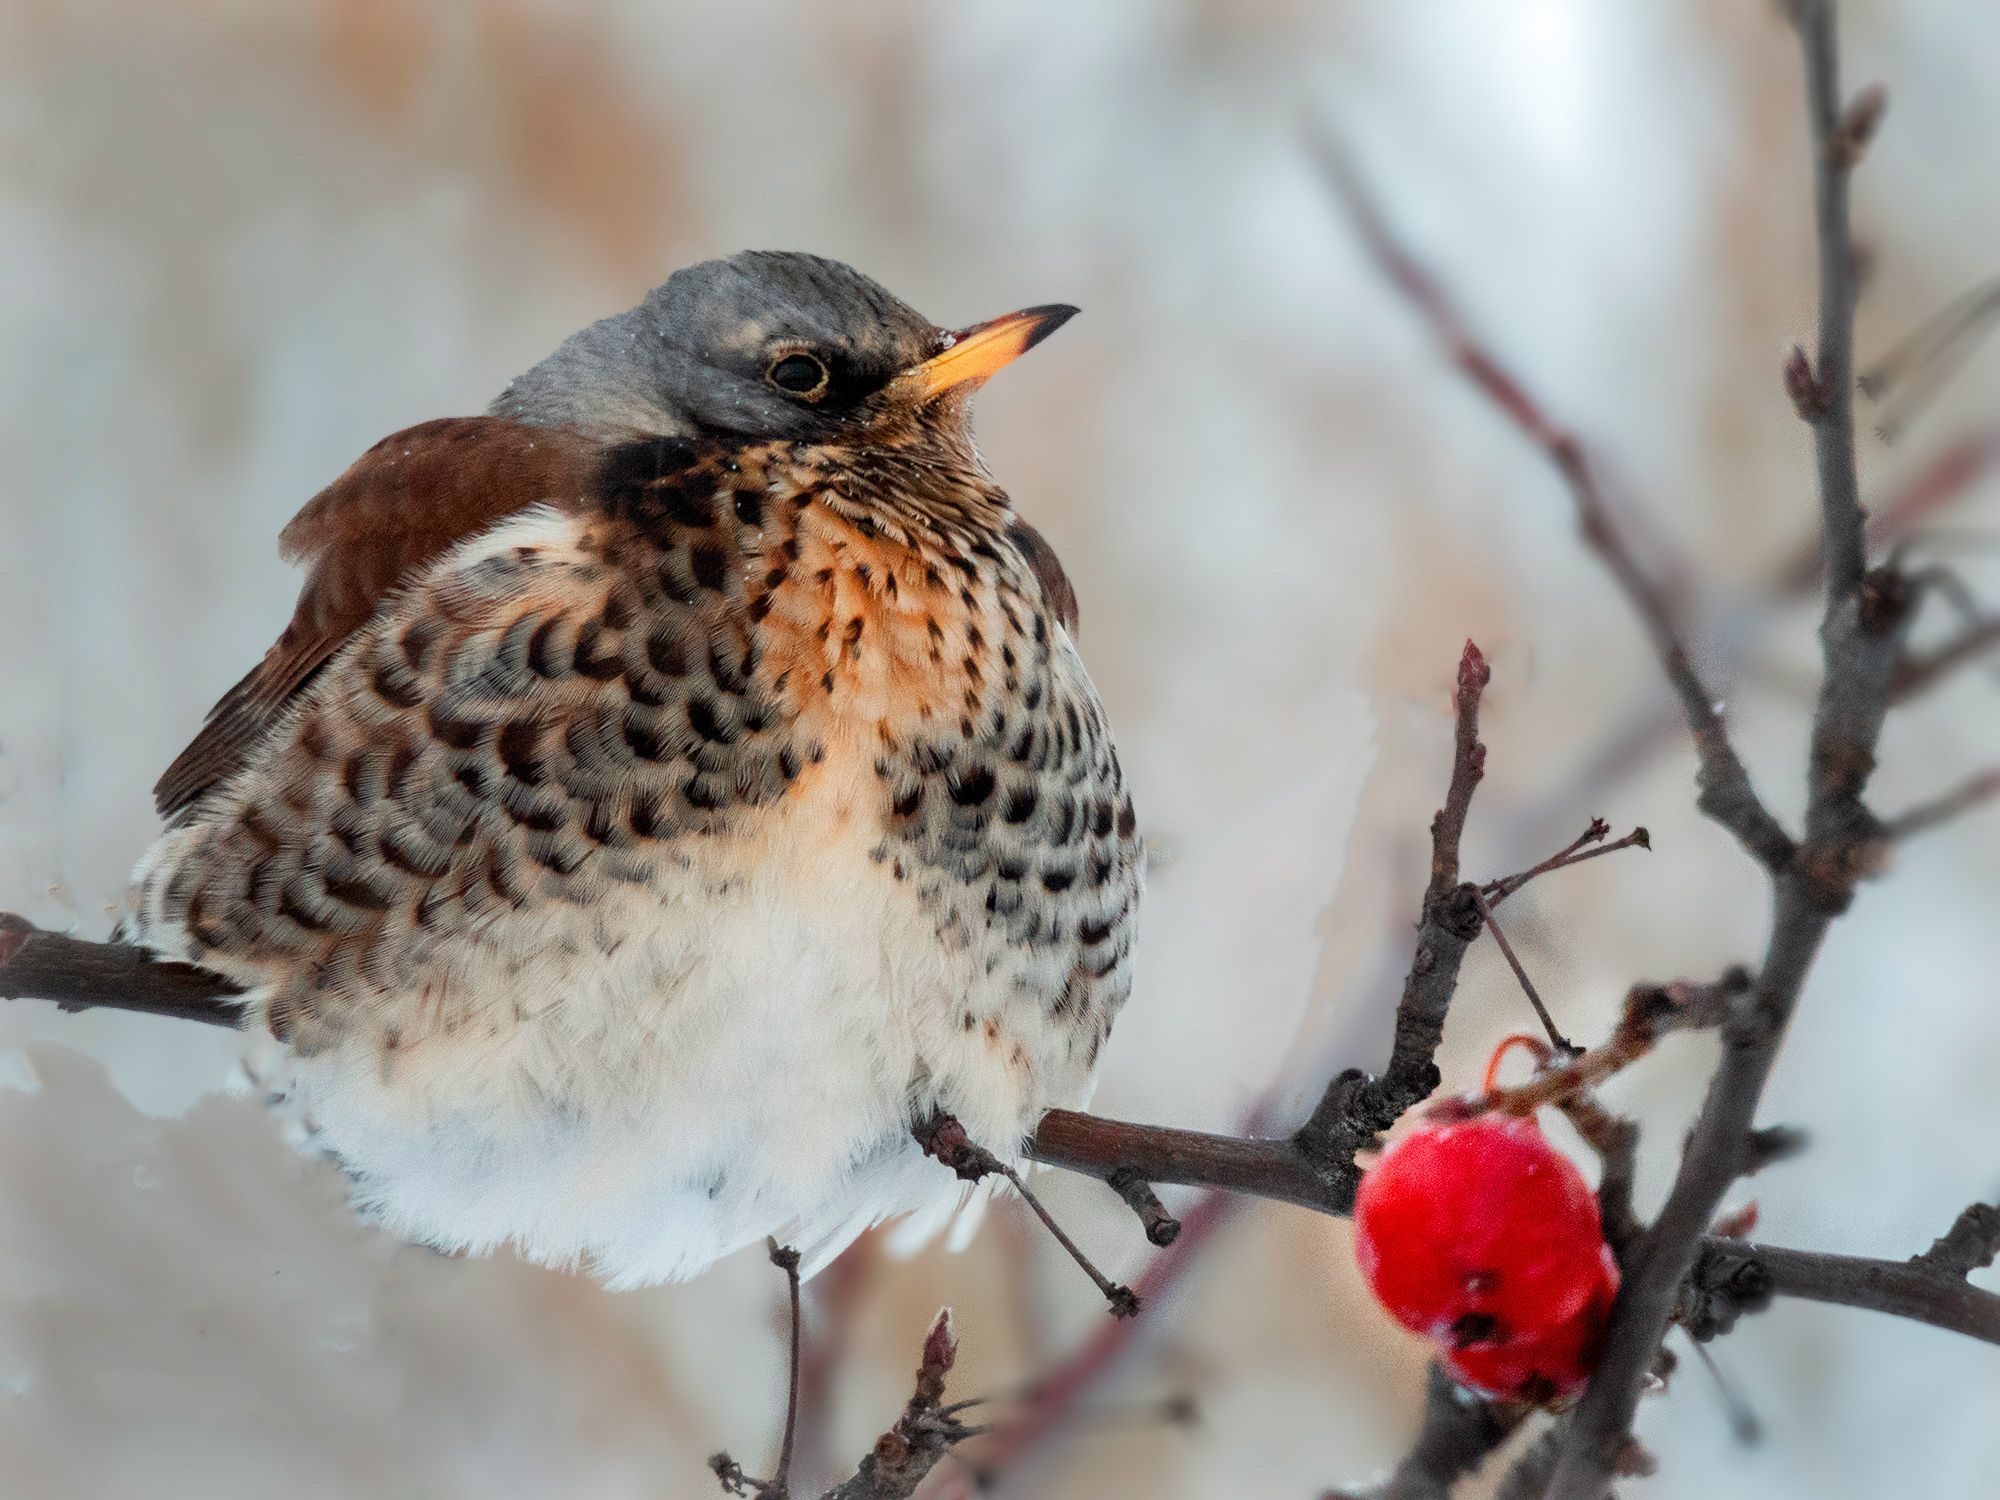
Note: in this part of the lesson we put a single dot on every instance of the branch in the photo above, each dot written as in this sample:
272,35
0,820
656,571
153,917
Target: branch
1727,795
1916,675
80,975
1922,364
944,1139
1971,1244
1356,1109
1557,1040
903,1457
1272,1168
1315,1167
728,1472
1059,1393
1731,1278
1927,815
1866,619
1650,1012
1575,852
1941,482
1460,1432
1840,134
921,1437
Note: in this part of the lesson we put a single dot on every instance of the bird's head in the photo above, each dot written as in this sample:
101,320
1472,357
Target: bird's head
774,345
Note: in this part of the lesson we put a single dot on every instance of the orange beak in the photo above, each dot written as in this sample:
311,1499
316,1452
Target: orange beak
976,352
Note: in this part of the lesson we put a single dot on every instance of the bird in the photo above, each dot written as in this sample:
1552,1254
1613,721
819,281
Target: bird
673,786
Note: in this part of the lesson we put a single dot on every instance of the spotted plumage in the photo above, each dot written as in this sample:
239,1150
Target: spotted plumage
663,795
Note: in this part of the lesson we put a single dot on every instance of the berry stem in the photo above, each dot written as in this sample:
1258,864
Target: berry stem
1531,1044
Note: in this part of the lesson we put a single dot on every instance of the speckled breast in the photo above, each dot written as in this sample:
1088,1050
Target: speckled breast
732,657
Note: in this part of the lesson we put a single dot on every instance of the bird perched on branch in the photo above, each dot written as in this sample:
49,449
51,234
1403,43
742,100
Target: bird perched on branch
671,786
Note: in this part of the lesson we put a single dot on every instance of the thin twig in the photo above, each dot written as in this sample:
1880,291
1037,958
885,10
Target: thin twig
1743,1422
1942,479
1615,1139
1468,766
838,1295
786,1259
1731,1278
1460,1432
728,1472
1920,366
1962,798
1556,1039
1649,729
1839,133
1727,794
1575,853
1356,1109
1161,1227
922,1436
1650,1012
1497,891
1917,674
1865,621
944,1138
1058,1395
1316,1166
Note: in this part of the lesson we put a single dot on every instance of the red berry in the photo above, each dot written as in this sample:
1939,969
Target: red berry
1554,1363
1479,1233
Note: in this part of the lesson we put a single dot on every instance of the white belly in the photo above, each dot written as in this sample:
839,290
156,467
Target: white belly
743,1063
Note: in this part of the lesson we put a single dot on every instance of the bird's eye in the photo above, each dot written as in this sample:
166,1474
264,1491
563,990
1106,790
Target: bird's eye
799,375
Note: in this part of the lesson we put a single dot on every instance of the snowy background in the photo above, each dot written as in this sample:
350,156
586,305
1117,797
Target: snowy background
243,242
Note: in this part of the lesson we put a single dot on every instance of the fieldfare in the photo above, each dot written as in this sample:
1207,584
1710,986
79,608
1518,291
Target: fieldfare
671,786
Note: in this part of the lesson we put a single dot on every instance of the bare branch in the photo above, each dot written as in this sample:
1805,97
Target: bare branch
1731,1278
1556,1039
1969,1245
944,1138
1315,1167
1650,1012
1273,1168
80,975
1468,766
1918,674
1355,1108
1839,133
1575,853
1727,794
1615,1139
1058,1395
921,1437
1161,1227
1866,619
1942,480
1922,364
1962,798
786,1259
728,1472
1460,1432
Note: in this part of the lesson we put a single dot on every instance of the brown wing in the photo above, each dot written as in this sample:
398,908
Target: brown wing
402,504
1048,571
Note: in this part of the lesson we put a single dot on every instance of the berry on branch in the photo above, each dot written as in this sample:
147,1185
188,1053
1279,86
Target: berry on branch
1478,1234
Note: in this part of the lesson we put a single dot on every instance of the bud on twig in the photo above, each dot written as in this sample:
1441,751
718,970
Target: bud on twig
1857,127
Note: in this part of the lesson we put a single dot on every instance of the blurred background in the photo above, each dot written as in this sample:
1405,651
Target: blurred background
242,242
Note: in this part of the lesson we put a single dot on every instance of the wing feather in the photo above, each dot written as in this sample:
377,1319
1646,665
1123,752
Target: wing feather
402,505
